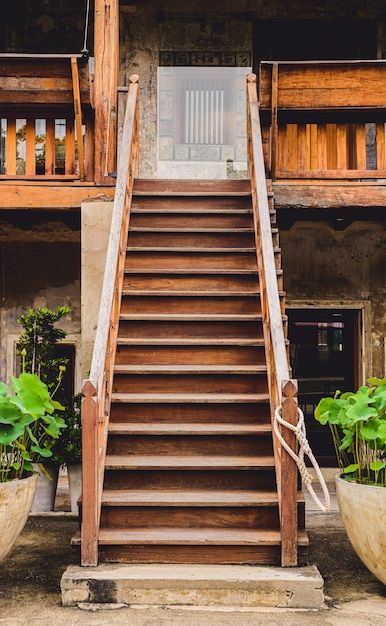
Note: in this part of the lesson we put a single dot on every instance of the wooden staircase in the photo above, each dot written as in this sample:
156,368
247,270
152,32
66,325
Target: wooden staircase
186,468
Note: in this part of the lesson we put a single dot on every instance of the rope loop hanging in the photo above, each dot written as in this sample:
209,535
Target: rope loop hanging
299,431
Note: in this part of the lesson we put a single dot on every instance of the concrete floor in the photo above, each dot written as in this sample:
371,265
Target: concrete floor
30,575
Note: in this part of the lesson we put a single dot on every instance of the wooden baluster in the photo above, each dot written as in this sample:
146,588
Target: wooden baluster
30,153
313,147
361,146
292,147
381,160
10,160
90,479
70,146
303,149
289,478
322,147
342,147
331,139
50,146
282,148
89,150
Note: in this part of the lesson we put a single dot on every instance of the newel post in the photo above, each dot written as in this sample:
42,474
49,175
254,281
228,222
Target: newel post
289,479
90,506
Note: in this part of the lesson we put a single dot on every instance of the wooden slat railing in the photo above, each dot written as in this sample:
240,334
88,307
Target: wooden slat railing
324,120
282,390
45,118
97,388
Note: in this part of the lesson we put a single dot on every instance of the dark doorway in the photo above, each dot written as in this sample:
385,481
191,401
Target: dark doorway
313,40
324,351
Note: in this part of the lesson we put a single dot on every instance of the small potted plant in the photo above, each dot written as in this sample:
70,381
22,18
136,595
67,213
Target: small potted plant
358,426
37,345
68,449
29,426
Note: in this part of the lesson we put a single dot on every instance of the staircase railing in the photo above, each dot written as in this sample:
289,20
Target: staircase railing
97,389
282,389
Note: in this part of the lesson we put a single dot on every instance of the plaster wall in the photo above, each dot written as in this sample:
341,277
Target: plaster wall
327,267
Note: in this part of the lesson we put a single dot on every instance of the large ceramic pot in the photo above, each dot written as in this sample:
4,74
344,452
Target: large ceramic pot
363,511
44,499
15,504
75,483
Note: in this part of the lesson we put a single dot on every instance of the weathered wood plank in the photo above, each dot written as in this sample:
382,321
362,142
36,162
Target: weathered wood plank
381,146
325,85
49,195
30,158
360,142
70,147
329,195
50,146
341,147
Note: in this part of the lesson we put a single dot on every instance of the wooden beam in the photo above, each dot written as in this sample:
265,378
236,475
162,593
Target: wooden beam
78,115
274,125
328,195
106,51
289,476
49,195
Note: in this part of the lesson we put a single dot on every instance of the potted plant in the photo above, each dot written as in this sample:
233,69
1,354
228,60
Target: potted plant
37,343
29,427
358,426
68,449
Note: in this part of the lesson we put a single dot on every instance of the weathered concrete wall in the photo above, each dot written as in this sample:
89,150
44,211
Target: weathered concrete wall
322,265
148,27
96,220
33,275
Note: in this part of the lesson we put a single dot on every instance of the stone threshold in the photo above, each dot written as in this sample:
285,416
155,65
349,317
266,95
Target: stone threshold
244,586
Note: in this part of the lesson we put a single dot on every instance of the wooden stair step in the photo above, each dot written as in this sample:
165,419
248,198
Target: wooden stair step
197,317
189,210
189,398
146,229
188,497
189,249
173,428
192,536
194,271
196,462
189,369
199,341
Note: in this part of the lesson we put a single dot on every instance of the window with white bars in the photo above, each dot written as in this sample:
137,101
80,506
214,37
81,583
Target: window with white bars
202,114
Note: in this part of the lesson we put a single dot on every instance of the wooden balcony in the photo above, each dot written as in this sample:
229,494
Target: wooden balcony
324,121
46,131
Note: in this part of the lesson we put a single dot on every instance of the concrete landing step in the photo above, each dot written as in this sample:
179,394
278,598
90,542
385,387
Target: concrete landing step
193,586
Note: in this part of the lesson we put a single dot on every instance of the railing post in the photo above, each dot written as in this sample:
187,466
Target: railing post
90,505
289,478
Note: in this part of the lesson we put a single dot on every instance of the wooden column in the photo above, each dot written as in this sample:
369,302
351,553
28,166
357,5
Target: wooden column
106,60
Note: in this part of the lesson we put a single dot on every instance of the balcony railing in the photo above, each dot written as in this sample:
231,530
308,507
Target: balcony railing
46,118
324,120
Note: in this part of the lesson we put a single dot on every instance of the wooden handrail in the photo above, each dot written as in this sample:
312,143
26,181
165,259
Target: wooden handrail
282,390
97,388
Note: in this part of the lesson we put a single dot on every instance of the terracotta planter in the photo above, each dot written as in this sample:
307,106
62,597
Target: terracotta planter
44,499
75,483
15,504
363,511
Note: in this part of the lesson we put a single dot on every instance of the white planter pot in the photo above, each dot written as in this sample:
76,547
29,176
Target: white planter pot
363,511
15,504
44,499
75,483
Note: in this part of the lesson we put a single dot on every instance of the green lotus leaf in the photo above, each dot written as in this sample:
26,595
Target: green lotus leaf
376,466
351,468
3,390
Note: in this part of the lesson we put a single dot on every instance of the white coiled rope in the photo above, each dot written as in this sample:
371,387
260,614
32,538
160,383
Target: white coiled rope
299,431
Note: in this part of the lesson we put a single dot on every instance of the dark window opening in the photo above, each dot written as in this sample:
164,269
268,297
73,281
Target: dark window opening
324,351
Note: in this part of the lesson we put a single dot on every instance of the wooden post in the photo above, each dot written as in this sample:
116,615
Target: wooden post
274,137
90,505
289,479
78,115
106,53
